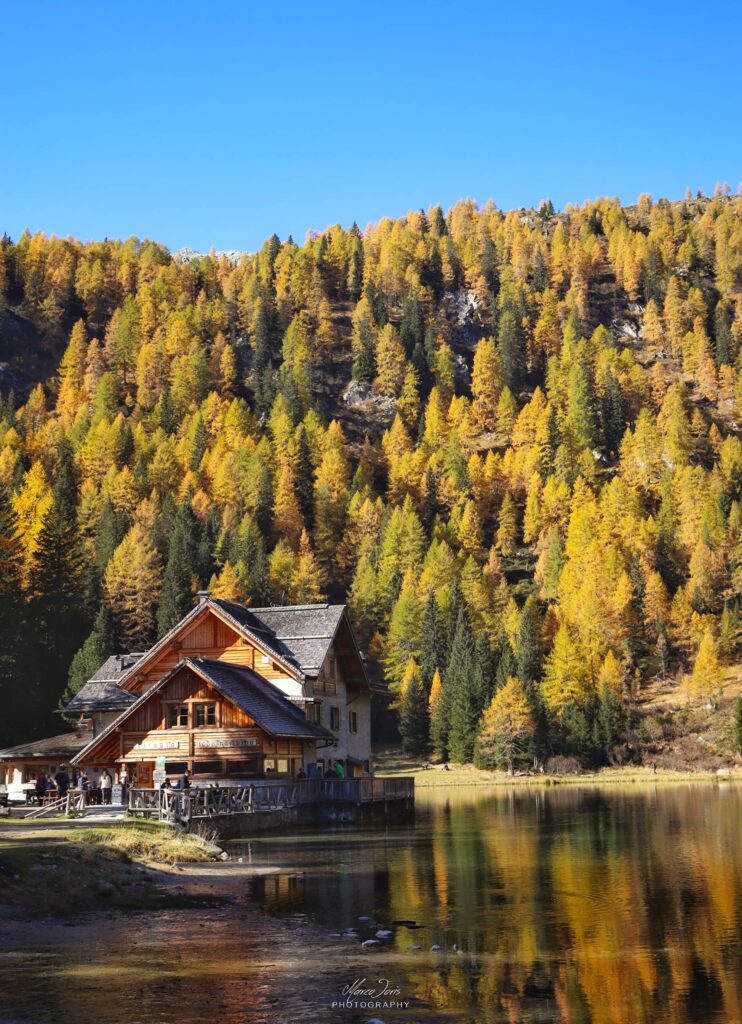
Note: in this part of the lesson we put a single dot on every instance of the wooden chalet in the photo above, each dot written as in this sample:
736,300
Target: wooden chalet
233,693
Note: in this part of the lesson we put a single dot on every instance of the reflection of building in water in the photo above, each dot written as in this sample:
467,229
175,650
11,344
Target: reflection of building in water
334,881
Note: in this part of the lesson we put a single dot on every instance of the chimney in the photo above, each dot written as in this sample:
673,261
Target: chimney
203,595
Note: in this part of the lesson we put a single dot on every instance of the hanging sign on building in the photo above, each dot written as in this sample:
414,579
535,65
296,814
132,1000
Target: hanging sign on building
226,742
157,745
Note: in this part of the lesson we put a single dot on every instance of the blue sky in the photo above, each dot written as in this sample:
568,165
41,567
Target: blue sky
217,124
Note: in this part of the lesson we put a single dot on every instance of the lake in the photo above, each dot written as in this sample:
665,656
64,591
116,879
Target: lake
614,905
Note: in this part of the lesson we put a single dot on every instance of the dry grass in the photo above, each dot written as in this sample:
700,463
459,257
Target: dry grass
72,870
153,844
391,763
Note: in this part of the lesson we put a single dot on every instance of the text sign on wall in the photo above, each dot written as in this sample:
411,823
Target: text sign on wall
157,745
250,742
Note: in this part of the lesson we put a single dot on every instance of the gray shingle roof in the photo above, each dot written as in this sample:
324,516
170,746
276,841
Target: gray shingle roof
101,692
55,747
100,696
300,634
115,667
258,698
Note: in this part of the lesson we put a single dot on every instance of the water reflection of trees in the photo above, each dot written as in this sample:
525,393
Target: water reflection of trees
608,907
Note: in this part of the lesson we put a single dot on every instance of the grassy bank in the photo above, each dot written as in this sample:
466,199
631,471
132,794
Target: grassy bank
391,763
64,871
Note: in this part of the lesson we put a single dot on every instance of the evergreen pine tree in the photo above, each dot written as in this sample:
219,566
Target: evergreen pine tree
612,413
57,610
432,646
109,532
99,645
12,623
176,596
506,663
486,671
304,482
165,412
609,719
413,712
464,686
512,351
528,652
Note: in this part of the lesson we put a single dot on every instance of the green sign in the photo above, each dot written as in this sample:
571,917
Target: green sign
160,763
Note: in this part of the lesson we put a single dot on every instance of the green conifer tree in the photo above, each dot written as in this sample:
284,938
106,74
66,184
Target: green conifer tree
176,596
528,650
512,351
99,645
413,714
464,685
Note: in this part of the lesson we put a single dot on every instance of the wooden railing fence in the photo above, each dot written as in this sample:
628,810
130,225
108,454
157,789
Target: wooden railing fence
185,806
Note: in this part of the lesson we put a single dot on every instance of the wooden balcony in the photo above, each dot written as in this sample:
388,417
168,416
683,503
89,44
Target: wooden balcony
200,804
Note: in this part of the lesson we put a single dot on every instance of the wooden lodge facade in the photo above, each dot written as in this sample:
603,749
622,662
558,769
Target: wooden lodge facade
232,693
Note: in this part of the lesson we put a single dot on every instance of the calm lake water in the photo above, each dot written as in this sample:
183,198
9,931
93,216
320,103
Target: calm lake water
619,905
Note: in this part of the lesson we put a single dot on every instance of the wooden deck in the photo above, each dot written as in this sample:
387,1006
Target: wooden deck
201,804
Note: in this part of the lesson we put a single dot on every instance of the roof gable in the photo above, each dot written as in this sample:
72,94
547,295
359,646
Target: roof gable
223,611
256,696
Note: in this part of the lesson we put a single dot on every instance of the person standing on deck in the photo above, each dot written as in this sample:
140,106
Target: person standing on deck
40,788
105,786
62,780
124,782
340,769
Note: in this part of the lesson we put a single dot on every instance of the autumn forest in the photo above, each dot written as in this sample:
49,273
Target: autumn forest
509,440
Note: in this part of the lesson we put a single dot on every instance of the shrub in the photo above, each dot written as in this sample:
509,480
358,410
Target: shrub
561,765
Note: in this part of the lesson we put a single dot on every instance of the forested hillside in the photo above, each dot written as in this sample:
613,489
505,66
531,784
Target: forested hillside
509,440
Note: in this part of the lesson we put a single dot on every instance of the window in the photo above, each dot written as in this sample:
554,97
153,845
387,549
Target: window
206,714
176,767
313,713
353,721
178,716
244,768
207,767
335,718
276,766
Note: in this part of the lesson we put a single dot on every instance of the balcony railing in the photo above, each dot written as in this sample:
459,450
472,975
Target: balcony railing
185,806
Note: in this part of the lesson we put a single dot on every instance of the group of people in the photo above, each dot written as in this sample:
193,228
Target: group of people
58,785
52,786
183,783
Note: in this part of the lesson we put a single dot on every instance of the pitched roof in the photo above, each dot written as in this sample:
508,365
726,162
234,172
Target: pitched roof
257,697
56,747
100,696
297,636
115,667
300,634
102,692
